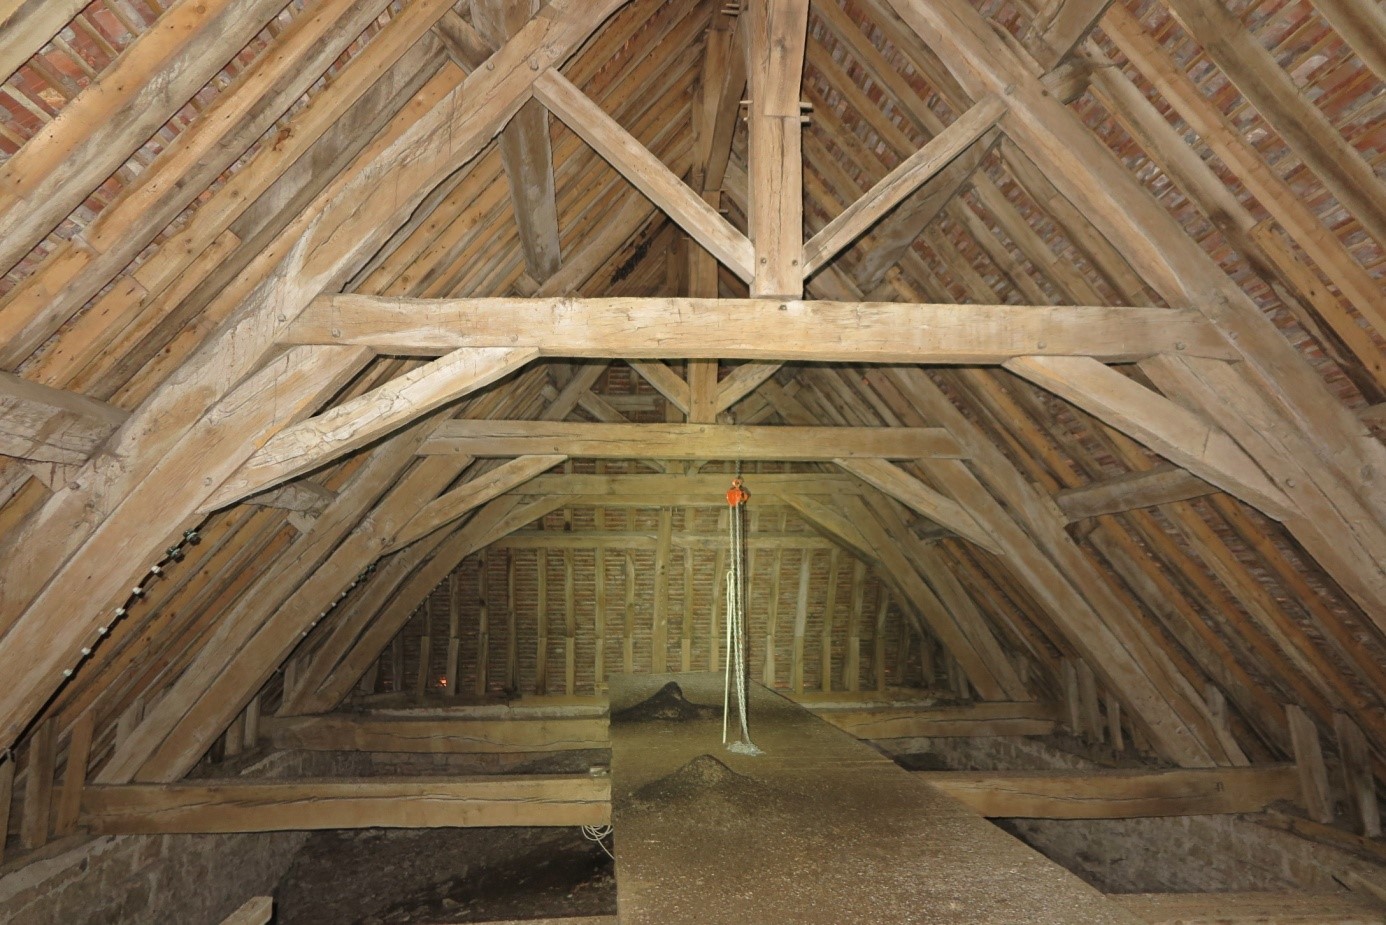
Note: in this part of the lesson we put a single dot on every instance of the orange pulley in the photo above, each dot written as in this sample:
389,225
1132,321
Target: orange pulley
736,495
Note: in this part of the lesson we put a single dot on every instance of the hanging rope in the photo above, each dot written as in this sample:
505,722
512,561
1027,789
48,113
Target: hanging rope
736,620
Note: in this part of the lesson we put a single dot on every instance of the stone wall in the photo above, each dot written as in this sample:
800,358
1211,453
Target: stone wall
155,879
1176,854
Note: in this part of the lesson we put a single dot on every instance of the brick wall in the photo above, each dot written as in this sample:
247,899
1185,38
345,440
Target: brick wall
155,879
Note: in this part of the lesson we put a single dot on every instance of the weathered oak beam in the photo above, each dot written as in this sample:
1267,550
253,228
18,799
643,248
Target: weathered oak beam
648,174
1118,794
470,495
434,736
1058,28
776,33
902,182
44,424
920,498
687,441
1171,430
526,152
1161,485
348,426
651,488
275,806
755,329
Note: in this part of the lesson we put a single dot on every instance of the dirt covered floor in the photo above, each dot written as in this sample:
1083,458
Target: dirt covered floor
380,876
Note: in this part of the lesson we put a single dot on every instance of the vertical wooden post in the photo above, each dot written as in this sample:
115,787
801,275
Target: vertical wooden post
904,645
75,776
6,796
252,715
38,789
772,617
928,660
541,617
1313,775
397,664
1217,705
629,635
1114,723
851,664
659,636
878,656
719,593
569,625
686,631
775,64
292,671
453,676
1357,775
1092,713
370,679
825,652
796,667
512,642
599,657
235,737
425,651
1073,700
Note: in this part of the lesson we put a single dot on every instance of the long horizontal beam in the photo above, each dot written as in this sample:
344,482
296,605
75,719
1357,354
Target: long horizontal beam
651,488
687,441
755,329
434,735
994,718
275,806
1119,794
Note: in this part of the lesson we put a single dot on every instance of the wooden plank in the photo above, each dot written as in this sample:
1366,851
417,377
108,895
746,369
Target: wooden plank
659,635
919,497
742,381
990,718
353,424
1358,782
1316,797
842,803
275,806
755,329
796,665
1118,794
1362,26
685,441
1162,484
912,173
38,786
255,911
525,149
75,774
107,122
302,496
438,736
41,423
825,643
645,171
470,495
1250,908
1171,430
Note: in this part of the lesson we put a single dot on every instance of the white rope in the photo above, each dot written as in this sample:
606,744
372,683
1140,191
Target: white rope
596,833
736,637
